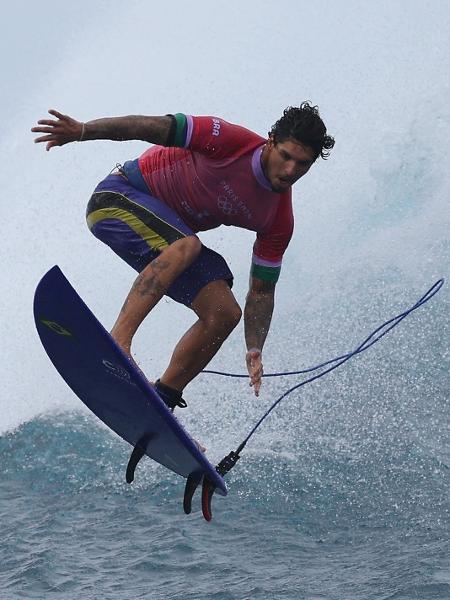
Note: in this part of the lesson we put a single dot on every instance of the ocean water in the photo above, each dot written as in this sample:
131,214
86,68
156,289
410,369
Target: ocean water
343,493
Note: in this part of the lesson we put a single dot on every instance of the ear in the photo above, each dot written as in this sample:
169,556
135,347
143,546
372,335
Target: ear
271,141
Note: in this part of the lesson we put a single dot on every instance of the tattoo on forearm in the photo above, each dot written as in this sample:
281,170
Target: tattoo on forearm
133,127
257,318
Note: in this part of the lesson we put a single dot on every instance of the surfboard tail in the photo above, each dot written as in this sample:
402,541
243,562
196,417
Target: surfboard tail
208,487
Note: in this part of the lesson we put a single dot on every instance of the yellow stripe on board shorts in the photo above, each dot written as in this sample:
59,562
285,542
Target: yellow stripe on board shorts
153,239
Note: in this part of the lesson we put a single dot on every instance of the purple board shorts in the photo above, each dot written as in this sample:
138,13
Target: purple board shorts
138,226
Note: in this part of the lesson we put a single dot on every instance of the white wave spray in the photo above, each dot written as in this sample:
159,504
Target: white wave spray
372,223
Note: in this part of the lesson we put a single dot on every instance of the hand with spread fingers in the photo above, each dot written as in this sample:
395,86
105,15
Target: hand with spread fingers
255,368
60,131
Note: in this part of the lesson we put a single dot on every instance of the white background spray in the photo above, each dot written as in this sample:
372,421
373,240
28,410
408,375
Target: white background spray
375,217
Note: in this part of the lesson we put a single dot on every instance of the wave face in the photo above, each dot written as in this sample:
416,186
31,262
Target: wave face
343,492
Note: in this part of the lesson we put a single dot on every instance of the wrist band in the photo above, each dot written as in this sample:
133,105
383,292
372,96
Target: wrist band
82,133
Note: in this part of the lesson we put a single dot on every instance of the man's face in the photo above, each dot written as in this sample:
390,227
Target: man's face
285,162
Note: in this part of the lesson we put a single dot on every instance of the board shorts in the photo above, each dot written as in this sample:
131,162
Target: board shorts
137,227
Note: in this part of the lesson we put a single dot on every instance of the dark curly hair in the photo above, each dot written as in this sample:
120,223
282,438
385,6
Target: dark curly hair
303,124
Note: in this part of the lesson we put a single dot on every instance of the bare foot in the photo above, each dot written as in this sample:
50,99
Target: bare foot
200,446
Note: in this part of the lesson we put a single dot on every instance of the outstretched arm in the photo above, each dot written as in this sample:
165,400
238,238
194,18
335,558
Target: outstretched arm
257,317
65,129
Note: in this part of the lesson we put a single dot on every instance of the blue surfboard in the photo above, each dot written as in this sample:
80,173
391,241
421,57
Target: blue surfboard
104,378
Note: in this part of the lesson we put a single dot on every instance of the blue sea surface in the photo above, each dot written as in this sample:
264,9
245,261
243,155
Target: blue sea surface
343,494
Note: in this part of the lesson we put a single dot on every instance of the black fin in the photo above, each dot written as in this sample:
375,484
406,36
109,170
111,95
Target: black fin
192,484
136,455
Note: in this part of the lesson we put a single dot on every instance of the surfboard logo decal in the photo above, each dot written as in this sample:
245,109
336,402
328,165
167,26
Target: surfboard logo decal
56,327
117,371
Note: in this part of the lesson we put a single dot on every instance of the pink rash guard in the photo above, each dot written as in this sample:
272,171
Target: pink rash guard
210,174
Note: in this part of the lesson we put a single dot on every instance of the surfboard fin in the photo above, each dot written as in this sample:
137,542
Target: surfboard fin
136,455
208,488
207,493
192,484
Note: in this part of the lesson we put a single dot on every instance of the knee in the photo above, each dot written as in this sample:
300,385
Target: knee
233,315
190,246
184,251
224,319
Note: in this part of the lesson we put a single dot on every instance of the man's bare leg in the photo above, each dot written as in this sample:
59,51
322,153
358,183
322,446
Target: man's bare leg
218,313
150,285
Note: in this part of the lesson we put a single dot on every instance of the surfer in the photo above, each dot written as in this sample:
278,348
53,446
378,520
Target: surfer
200,172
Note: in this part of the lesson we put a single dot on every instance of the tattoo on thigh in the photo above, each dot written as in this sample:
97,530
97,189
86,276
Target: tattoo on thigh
150,284
159,265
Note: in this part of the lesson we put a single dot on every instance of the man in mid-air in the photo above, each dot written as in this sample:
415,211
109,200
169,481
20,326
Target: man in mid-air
202,172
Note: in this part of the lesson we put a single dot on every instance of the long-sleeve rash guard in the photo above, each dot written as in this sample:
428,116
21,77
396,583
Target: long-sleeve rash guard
210,173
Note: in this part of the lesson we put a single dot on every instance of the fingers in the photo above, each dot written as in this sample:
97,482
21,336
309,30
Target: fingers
42,129
256,387
51,140
57,132
43,122
52,144
48,127
43,138
51,122
57,114
255,381
255,369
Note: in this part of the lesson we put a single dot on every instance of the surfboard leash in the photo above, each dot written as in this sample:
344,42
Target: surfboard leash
229,461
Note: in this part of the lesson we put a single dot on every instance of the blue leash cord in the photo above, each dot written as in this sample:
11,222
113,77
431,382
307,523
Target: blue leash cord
228,462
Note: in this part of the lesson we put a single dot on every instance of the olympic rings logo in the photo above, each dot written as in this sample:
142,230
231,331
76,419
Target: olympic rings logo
226,206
